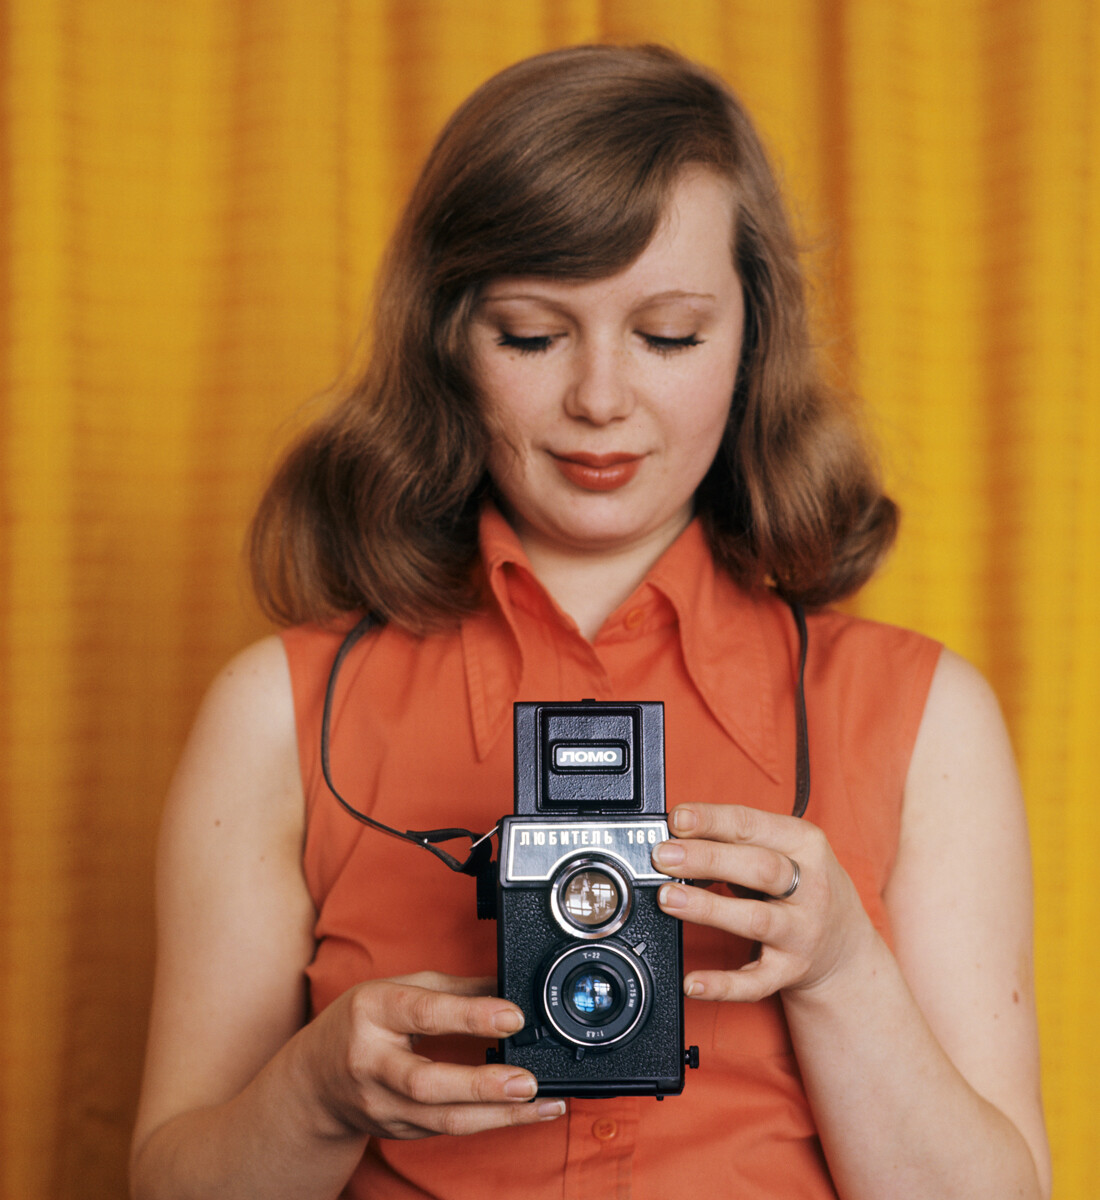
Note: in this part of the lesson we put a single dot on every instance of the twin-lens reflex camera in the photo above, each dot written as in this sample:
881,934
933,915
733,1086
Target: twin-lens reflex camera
582,946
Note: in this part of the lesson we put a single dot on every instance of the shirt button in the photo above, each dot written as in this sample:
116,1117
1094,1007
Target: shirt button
634,618
604,1129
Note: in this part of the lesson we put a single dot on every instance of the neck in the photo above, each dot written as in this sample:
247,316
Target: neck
590,585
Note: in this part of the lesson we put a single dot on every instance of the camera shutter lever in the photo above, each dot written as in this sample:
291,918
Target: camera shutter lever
528,1035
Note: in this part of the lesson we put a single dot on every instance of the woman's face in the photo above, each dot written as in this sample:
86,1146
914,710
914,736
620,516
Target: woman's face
607,399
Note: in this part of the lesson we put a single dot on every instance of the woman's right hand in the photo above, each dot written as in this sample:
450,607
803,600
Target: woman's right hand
373,1082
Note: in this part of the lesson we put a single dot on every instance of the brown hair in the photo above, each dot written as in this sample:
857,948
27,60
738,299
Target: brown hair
561,166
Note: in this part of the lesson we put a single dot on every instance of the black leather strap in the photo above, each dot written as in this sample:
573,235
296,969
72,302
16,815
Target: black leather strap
427,838
802,737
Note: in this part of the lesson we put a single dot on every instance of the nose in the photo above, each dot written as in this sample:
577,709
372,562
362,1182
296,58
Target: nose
600,390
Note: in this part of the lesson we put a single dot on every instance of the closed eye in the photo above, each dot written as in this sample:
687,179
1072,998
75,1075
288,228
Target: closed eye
670,345
525,345
542,342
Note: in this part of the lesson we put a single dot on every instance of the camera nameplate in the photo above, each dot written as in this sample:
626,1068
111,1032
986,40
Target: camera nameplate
536,849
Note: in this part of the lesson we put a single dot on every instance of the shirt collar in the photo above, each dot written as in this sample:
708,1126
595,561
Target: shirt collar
718,625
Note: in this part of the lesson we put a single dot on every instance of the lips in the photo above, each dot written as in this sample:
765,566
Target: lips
598,472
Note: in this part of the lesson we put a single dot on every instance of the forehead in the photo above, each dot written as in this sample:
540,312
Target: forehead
696,227
689,254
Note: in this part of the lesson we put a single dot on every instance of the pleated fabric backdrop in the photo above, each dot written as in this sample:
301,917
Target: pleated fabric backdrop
193,196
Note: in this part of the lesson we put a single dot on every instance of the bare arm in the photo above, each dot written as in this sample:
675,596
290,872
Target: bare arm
921,1066
239,1097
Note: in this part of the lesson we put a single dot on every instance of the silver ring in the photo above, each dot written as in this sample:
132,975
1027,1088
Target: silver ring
794,882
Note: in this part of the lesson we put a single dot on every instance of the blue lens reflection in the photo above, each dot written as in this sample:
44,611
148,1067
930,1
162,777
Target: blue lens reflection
592,994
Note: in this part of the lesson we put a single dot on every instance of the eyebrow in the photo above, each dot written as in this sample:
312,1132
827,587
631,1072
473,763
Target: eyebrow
541,298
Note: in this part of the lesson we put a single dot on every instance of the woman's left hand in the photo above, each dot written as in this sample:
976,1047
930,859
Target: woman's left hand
807,936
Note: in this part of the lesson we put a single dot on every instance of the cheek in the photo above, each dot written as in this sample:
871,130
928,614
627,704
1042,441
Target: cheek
503,461
499,416
705,423
509,448
502,386
508,426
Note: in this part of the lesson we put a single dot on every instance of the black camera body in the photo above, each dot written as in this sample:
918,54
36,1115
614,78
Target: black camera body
582,946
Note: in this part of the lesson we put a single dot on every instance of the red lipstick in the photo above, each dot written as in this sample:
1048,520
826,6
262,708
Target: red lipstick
598,472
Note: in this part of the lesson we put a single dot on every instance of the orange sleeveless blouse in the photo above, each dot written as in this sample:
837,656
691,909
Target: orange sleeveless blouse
421,739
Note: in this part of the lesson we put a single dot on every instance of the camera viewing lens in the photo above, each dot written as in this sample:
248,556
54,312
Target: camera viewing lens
590,897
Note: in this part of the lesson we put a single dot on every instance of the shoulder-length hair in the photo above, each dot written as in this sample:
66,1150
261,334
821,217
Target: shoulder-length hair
561,166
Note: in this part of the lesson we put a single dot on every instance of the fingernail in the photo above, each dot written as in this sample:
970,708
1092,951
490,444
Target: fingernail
671,896
684,820
668,854
694,988
549,1109
521,1087
507,1020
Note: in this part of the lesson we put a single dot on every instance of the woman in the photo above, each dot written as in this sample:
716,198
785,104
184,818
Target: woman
590,457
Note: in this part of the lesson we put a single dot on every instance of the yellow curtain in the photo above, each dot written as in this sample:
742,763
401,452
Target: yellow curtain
193,196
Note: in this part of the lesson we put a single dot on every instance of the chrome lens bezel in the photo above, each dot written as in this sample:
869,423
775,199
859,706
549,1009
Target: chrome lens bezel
619,879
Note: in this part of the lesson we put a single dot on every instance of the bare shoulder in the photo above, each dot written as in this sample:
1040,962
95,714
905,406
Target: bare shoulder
234,915
245,726
963,816
235,814
960,896
259,672
961,707
962,784
237,791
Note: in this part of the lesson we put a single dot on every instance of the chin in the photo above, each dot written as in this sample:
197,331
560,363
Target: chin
608,535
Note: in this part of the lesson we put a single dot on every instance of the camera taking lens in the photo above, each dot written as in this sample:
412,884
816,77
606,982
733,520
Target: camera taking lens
592,995
596,997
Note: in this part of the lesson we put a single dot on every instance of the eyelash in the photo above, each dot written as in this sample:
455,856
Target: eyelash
667,345
538,345
525,345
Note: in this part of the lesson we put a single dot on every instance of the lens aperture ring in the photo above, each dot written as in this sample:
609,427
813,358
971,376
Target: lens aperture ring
596,995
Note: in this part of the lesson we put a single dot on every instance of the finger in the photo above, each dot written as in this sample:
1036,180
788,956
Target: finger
458,1120
738,823
754,920
409,1009
423,1097
754,981
438,1083
756,867
458,985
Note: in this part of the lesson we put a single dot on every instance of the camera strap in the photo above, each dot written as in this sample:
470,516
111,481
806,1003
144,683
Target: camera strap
801,733
477,860
481,848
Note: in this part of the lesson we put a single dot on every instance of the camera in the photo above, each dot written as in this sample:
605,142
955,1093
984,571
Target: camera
582,946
